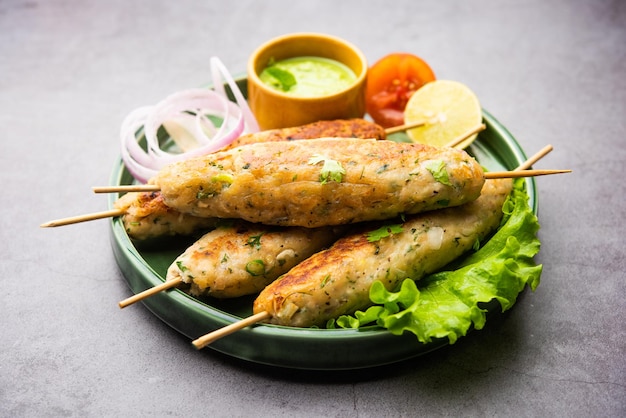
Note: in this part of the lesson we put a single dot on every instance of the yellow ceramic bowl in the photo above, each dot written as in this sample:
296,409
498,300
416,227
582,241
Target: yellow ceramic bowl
275,109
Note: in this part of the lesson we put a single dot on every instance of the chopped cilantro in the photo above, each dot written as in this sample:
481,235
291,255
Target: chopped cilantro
331,170
325,280
384,232
438,169
255,241
204,195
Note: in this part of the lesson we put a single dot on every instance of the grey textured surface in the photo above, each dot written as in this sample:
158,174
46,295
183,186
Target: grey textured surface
553,72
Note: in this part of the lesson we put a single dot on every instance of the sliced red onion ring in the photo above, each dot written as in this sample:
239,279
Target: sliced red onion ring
187,111
218,69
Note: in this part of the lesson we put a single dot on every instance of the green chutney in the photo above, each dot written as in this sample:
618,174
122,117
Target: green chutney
308,76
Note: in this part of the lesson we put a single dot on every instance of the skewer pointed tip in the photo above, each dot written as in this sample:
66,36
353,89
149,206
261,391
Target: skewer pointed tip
126,188
207,339
522,173
83,218
149,292
536,157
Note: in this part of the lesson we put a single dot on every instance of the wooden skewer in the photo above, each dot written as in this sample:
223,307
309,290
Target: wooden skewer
466,135
522,173
536,157
452,143
83,218
127,188
229,329
491,175
404,127
149,292
104,214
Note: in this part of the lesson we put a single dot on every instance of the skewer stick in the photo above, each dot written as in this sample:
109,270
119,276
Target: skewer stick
522,173
452,143
536,157
149,292
127,188
105,214
404,127
207,339
229,329
466,135
83,218
498,174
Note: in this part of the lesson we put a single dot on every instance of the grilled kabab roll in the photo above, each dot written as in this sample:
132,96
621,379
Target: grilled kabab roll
242,258
321,182
337,281
146,216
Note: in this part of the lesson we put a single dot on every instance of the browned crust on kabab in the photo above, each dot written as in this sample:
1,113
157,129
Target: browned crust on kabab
282,183
336,281
339,128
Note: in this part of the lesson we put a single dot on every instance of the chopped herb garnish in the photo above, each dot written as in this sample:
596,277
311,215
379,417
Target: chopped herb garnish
325,280
284,79
331,170
203,195
181,266
438,169
255,241
384,232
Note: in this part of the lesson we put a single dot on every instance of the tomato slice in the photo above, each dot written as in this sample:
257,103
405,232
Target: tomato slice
390,83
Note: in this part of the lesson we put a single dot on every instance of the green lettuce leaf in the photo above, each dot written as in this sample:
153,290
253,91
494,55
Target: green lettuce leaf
447,304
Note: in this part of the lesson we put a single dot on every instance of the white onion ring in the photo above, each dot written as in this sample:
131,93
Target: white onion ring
191,106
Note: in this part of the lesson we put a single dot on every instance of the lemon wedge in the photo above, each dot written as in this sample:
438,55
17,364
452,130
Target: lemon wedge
448,109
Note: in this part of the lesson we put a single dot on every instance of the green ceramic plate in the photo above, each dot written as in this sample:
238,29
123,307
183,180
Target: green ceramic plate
145,265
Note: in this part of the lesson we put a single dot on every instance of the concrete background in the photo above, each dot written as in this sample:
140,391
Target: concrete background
553,72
